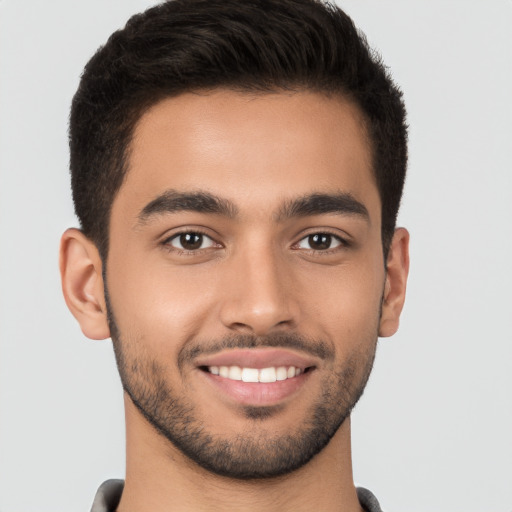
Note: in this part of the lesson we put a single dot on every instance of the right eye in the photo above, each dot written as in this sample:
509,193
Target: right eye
320,242
190,241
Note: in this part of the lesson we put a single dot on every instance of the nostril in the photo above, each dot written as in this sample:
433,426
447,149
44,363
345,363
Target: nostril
239,325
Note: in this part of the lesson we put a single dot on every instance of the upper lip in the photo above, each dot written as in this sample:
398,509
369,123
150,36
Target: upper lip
257,358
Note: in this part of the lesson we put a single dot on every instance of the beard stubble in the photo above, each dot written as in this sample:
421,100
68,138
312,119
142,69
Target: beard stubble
247,455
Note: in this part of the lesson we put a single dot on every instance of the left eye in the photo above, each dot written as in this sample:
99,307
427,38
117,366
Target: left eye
191,241
319,242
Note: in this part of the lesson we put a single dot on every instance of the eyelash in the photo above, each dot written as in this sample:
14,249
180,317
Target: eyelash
343,243
167,242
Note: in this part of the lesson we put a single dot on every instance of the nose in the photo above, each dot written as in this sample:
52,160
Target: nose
258,298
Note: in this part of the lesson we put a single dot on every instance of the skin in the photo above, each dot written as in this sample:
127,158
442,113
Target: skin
255,275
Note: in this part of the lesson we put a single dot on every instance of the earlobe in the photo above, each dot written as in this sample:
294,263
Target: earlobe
82,283
396,283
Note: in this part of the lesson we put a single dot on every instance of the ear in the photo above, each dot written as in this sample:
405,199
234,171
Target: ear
397,269
82,283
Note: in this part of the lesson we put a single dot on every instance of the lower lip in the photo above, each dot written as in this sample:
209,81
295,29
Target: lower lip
257,393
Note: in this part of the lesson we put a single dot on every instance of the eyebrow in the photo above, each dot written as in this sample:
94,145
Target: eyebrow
172,201
341,203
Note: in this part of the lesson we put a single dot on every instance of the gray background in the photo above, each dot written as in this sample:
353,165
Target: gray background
434,429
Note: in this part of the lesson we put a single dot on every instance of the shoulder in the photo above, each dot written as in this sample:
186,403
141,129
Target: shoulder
108,496
368,501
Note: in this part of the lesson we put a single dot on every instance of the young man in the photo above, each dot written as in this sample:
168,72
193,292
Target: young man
237,169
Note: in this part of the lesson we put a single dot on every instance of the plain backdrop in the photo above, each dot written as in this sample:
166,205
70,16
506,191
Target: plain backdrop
433,431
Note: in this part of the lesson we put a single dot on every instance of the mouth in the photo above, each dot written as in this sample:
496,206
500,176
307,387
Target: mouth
257,377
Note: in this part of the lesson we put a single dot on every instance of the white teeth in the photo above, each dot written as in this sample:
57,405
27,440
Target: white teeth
267,375
270,374
250,375
281,373
235,373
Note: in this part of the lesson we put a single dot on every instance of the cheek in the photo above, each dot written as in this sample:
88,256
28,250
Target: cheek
165,305
344,302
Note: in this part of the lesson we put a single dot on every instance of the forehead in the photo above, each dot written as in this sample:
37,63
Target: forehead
254,149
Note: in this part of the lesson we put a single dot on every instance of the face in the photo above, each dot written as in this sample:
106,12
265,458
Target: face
245,275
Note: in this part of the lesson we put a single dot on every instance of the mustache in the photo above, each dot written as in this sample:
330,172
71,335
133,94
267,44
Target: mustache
316,348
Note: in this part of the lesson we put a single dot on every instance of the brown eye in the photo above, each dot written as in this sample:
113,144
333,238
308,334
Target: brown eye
320,242
191,241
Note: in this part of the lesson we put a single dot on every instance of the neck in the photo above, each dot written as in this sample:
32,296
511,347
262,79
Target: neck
159,477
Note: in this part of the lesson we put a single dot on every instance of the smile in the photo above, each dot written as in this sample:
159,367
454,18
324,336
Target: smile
265,375
256,376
